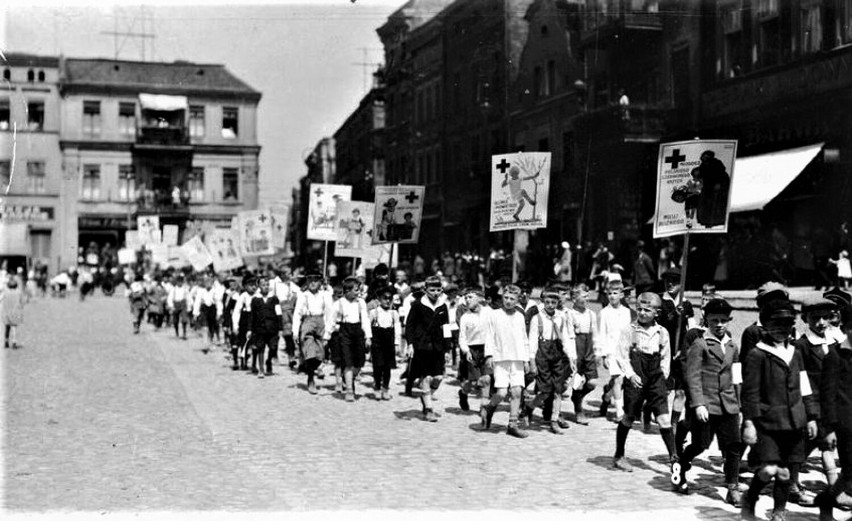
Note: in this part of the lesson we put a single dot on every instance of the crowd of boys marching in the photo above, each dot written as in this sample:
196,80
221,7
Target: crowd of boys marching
774,395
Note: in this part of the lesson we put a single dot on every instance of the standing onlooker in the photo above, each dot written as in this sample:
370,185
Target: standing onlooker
644,275
11,312
844,269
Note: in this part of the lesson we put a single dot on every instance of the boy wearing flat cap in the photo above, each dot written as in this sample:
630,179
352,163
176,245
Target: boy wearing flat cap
751,336
712,380
778,409
819,353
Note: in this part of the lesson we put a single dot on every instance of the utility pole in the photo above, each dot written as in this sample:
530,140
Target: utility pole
366,65
145,18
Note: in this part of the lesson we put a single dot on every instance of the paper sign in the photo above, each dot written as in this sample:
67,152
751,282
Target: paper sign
256,233
398,211
279,226
448,331
159,254
197,254
170,235
147,225
354,231
126,256
176,258
520,184
737,373
131,240
224,248
322,210
805,383
694,187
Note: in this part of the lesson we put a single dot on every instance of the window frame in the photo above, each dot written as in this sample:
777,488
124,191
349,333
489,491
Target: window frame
6,106
127,121
90,189
230,114
227,172
195,184
36,177
91,118
196,130
35,108
126,183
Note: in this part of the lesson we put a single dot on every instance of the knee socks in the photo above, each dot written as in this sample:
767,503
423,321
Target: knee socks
668,439
780,492
621,439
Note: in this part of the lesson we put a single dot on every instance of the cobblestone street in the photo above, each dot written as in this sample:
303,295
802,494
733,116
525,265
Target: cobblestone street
98,419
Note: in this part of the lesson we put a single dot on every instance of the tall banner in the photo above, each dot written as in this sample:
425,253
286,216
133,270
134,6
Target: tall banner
196,253
355,230
520,184
148,227
694,186
279,226
322,210
224,248
255,229
398,212
170,235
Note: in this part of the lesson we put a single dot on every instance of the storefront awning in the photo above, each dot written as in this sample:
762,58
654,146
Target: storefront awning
162,102
759,179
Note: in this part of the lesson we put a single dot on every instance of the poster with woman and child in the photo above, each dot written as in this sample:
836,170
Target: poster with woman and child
398,211
255,233
355,230
694,186
322,210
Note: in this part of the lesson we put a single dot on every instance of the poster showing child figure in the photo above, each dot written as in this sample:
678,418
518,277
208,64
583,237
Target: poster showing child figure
322,210
222,245
255,229
149,229
398,211
520,184
694,187
355,230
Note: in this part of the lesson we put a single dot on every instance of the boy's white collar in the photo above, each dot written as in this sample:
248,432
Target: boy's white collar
784,353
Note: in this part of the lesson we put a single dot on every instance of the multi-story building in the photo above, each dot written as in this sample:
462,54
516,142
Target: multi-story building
31,180
359,150
177,140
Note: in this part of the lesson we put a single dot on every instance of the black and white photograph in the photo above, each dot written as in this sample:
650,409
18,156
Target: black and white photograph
426,259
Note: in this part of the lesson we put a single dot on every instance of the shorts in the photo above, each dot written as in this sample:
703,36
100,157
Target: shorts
587,365
676,381
477,368
508,373
426,363
653,393
779,447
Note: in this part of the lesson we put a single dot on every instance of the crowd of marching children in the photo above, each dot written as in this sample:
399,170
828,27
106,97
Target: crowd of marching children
776,395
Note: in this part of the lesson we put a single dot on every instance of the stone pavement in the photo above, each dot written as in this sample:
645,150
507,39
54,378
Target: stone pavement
98,419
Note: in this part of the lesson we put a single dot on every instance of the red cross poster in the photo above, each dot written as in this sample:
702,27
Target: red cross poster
322,210
279,226
224,248
520,184
355,230
398,212
694,186
255,232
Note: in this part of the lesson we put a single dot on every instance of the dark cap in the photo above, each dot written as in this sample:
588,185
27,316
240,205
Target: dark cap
771,291
717,306
525,286
813,304
838,296
672,273
777,309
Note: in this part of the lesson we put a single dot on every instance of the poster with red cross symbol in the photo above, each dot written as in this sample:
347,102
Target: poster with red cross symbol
520,184
694,186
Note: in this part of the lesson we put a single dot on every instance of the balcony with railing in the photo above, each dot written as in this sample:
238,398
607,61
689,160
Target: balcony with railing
163,121
632,123
163,202
604,20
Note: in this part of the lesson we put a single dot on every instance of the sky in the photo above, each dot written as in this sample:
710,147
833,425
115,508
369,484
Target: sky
300,55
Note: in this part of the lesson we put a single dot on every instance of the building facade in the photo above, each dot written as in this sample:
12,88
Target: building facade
32,187
177,140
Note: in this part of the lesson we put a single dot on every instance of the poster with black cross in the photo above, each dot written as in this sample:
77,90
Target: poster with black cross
322,210
398,212
694,186
520,184
255,233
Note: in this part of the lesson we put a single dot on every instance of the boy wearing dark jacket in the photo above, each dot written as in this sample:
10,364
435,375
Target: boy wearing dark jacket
264,325
424,331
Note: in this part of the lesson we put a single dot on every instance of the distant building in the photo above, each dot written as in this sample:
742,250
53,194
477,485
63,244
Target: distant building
321,170
177,140
29,136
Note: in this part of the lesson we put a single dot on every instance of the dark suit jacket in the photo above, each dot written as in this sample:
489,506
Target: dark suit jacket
822,373
771,394
708,375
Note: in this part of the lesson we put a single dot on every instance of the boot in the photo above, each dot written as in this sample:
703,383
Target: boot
513,430
734,497
463,402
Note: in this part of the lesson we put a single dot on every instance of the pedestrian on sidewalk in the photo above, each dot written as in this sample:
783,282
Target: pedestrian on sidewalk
387,331
713,374
424,331
553,358
644,357
777,406
310,316
264,326
507,352
355,333
11,312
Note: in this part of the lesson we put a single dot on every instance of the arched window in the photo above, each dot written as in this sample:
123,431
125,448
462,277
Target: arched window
40,75
30,75
7,74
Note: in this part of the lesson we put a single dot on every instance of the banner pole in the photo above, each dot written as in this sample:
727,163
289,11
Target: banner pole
354,265
325,261
680,299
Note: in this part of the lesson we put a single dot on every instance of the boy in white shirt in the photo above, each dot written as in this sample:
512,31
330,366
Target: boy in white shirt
473,371
507,352
585,327
614,319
